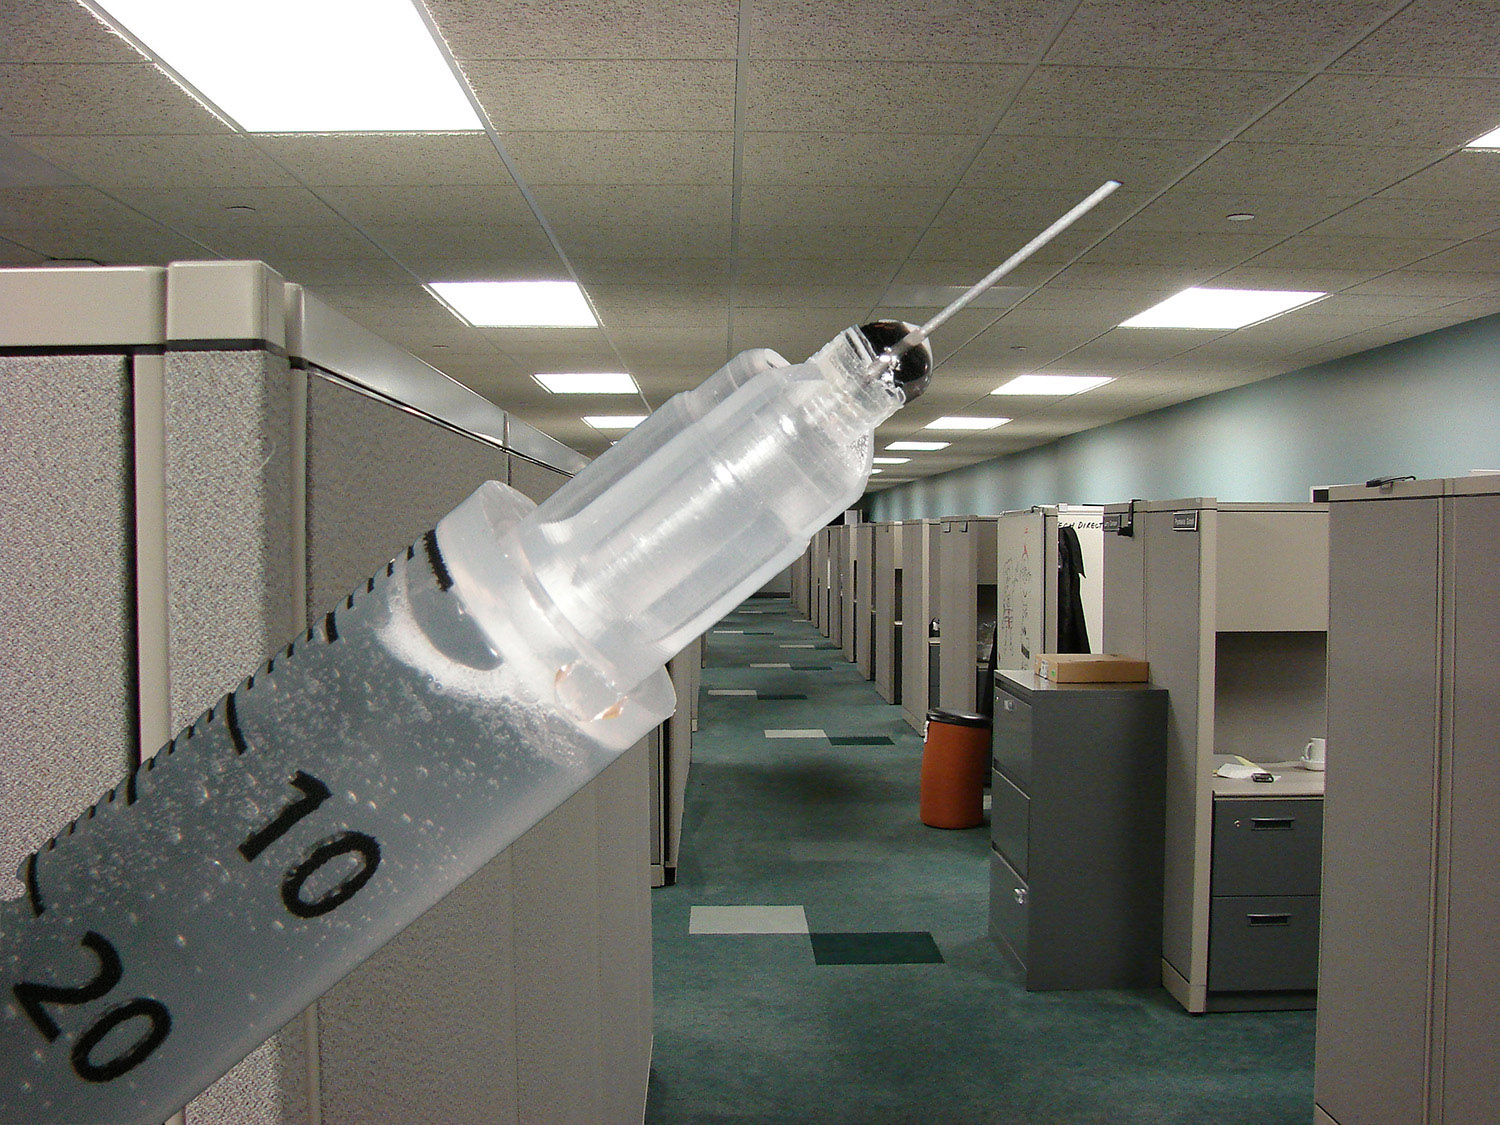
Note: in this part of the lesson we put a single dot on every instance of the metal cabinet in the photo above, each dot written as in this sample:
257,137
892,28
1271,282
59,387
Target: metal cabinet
1076,831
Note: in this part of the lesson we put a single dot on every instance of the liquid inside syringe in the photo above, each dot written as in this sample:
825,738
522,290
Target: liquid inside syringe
416,730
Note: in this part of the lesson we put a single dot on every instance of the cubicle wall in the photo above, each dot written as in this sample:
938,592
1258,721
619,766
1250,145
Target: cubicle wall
861,650
233,457
919,565
854,544
966,601
1027,558
885,647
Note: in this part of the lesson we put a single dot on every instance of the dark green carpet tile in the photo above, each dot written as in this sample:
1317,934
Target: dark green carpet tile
914,947
751,1029
859,740
777,697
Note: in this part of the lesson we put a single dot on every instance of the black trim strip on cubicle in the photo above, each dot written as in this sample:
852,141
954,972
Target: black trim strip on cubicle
236,345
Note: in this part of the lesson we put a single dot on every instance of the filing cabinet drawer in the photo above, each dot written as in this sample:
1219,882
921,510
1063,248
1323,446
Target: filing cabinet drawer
1010,821
1267,847
1011,740
1010,908
1263,944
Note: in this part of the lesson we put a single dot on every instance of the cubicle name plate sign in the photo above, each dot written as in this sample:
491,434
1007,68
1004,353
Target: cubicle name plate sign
1185,521
1114,521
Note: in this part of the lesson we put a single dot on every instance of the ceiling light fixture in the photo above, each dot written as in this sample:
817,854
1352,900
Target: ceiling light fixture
1240,217
961,422
917,446
587,382
892,460
1221,308
614,421
305,66
1051,384
516,304
1490,142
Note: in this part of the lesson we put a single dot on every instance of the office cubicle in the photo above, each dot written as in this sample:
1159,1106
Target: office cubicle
233,456
1229,604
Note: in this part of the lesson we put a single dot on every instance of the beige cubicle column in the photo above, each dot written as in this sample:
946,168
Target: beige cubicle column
864,598
966,595
919,541
885,648
1409,981
838,585
1124,619
856,574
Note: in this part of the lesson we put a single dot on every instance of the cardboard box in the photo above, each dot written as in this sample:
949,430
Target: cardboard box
1091,668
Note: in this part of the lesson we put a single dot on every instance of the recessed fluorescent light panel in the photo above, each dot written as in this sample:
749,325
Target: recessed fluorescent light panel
614,421
891,460
1490,142
517,304
956,422
587,382
1220,308
305,66
1051,384
918,446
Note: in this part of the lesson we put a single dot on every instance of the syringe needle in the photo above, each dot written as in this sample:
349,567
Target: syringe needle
917,335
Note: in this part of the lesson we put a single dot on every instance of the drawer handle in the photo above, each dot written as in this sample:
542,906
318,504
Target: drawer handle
1272,823
1020,893
1010,704
1269,919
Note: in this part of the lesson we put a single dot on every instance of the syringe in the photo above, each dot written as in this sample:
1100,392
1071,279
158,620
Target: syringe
416,730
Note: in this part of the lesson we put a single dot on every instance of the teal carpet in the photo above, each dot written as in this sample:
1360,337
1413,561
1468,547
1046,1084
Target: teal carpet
895,1007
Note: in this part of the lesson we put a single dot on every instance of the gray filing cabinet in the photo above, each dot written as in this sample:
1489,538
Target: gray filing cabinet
1076,831
1263,909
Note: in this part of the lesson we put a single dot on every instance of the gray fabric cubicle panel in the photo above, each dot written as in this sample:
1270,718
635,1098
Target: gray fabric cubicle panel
67,607
533,480
230,582
377,478
425,1029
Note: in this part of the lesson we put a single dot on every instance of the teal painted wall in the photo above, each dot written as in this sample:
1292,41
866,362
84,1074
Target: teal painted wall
1428,406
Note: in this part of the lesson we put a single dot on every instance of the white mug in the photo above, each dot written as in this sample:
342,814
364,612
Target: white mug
1315,754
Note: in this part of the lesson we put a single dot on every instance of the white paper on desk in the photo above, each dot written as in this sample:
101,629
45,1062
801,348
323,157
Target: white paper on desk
1242,772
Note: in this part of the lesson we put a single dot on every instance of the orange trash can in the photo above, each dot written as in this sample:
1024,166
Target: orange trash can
954,756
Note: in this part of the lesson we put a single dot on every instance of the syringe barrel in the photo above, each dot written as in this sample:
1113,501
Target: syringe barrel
686,533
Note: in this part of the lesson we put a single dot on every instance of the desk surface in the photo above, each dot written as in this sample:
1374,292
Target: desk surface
1291,781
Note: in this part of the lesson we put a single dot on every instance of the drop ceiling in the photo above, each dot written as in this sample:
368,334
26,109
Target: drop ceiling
723,174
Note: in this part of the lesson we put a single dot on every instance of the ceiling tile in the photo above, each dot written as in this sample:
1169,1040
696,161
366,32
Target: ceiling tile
855,97
1274,215
1422,283
848,245
1194,249
540,96
1304,169
589,29
211,206
893,207
44,31
118,244
225,159
65,98
14,254
1140,102
1469,175
1373,109
1077,165
622,158
1434,37
840,160
384,205
956,236
656,239
792,296
1385,216
664,270
1290,277
1246,35
411,159
1307,251
332,240
660,206
521,250
990,31
1476,256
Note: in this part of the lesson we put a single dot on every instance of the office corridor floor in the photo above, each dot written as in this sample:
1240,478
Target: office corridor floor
822,956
